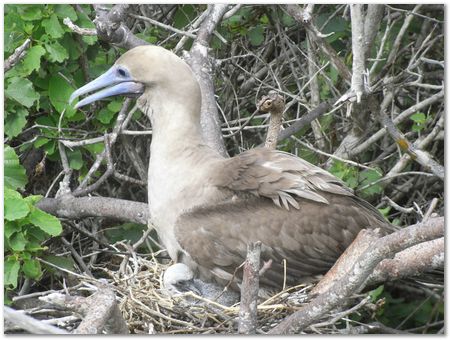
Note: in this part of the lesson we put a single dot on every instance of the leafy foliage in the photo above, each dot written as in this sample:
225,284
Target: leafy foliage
365,182
25,226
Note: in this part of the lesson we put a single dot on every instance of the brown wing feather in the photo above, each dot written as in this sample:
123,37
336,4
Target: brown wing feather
277,175
310,238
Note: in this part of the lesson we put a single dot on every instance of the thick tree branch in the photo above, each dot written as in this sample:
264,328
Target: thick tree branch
80,207
110,27
28,323
100,311
357,21
410,262
249,290
372,21
354,281
201,65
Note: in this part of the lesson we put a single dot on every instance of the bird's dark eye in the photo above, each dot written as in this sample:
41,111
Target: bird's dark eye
122,72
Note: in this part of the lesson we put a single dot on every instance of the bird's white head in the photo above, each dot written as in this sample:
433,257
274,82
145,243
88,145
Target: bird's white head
160,79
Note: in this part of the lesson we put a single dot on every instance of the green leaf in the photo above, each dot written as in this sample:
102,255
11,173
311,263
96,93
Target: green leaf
14,173
384,211
418,117
41,141
11,272
15,207
30,12
59,261
63,11
86,22
183,16
420,120
15,122
36,233
33,199
367,177
126,231
22,91
256,35
75,159
17,241
287,20
374,294
59,92
95,149
57,53
115,106
48,223
10,228
105,115
32,269
72,48
32,60
13,32
53,27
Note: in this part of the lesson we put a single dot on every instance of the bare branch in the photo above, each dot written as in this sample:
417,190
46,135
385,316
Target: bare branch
79,30
298,14
100,311
372,21
401,33
201,65
80,207
249,290
121,123
422,157
18,54
320,110
355,279
410,262
111,29
357,21
28,323
164,26
397,120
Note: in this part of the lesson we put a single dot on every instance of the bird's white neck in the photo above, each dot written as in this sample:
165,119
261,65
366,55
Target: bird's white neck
178,164
175,118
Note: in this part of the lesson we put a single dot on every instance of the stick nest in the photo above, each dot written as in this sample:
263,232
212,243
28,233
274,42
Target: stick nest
147,307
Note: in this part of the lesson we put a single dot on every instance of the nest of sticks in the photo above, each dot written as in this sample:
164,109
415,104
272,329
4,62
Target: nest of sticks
148,309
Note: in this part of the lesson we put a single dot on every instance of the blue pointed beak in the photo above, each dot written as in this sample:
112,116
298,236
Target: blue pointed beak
116,81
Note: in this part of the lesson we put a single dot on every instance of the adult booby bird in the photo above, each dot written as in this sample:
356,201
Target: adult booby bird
206,208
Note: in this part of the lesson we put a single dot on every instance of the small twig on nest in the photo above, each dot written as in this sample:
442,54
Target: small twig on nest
100,311
28,323
249,290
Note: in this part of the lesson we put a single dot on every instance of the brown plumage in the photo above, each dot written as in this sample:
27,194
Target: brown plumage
206,208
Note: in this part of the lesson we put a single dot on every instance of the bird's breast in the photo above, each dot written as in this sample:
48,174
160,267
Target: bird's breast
174,188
